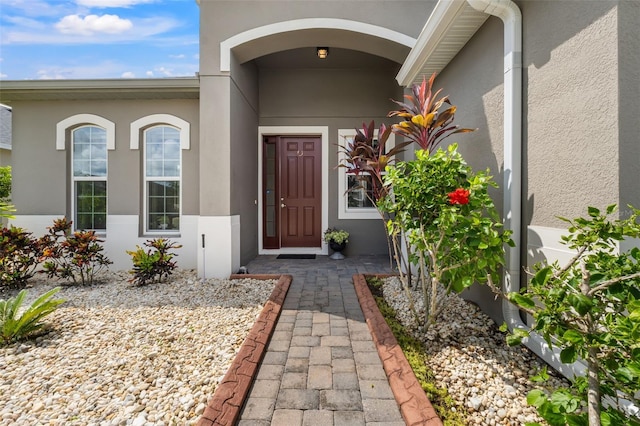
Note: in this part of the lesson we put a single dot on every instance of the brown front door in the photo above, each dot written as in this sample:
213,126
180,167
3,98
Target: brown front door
292,191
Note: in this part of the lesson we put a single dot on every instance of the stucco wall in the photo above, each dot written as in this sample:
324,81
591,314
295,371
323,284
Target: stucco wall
5,157
571,114
474,82
41,184
339,99
220,20
571,120
244,157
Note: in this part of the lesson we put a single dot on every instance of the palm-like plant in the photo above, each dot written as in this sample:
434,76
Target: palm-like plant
424,123
16,324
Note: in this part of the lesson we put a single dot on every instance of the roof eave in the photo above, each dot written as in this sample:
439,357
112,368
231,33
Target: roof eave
450,26
13,90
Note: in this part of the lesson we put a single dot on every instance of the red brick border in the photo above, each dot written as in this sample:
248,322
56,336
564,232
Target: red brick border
228,398
414,405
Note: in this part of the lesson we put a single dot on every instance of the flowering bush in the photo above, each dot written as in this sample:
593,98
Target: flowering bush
446,214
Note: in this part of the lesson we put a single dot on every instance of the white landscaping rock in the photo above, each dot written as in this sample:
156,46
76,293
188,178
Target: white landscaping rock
118,353
469,356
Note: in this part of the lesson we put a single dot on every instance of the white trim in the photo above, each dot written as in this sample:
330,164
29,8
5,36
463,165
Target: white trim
5,146
221,254
229,44
450,26
344,212
62,126
172,120
323,132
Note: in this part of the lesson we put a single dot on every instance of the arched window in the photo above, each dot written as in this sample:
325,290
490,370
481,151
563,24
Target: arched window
162,175
89,192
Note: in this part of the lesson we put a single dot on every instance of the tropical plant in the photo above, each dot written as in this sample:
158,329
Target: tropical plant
6,210
446,214
368,155
423,120
75,256
338,236
153,264
17,323
590,308
19,256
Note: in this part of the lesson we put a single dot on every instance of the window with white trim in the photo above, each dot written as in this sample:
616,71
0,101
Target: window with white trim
162,179
89,192
354,192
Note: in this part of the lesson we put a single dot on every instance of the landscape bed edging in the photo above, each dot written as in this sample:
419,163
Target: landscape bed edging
227,401
415,407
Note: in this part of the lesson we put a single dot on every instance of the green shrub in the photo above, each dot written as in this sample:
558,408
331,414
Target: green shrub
19,256
153,264
5,182
590,309
74,256
16,325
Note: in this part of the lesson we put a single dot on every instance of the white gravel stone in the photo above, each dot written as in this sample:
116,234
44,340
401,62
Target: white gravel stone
469,356
124,355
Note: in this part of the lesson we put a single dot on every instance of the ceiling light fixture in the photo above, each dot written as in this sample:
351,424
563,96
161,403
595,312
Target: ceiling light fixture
323,52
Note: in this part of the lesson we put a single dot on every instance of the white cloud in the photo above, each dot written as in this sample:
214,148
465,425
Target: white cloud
111,3
92,24
181,56
3,75
128,74
149,73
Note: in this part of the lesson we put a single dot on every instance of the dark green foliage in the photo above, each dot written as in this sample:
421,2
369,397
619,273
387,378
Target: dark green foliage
19,257
5,182
73,256
18,324
590,309
153,264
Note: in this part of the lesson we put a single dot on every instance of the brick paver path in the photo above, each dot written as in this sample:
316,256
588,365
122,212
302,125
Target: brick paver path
321,366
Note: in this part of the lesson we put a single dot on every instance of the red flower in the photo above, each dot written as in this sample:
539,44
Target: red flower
459,196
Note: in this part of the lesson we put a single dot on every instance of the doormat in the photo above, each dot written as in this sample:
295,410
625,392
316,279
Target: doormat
296,256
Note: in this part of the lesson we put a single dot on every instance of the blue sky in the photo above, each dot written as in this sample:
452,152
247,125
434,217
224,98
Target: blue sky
78,39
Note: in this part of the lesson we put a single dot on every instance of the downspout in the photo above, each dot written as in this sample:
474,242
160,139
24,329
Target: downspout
511,16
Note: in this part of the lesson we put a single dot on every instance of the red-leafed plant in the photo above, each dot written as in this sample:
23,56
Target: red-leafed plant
73,256
425,122
369,155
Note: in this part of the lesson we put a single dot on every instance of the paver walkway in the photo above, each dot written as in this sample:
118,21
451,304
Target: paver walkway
321,366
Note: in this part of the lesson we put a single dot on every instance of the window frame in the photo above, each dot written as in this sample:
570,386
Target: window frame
344,211
147,179
75,179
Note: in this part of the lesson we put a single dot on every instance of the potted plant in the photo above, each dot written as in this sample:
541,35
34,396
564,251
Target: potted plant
337,240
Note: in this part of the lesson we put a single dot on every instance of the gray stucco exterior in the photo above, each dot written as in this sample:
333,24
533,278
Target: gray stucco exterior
258,69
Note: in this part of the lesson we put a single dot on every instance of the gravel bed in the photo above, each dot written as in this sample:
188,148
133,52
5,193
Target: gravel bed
469,357
125,355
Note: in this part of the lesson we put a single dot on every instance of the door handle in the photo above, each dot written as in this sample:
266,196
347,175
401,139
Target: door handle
283,205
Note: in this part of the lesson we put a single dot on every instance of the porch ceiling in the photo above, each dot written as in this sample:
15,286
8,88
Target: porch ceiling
451,25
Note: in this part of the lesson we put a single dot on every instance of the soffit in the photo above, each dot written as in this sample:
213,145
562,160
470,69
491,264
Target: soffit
114,89
451,25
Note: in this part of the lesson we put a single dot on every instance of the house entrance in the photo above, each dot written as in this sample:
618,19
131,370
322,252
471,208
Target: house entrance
291,191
